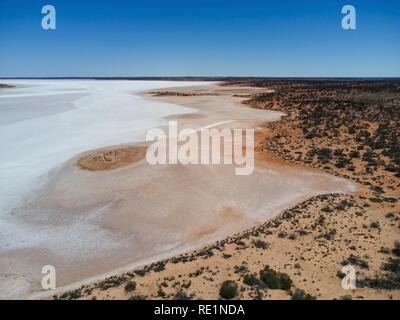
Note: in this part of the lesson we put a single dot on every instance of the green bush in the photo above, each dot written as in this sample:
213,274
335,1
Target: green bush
260,244
301,295
275,280
396,250
270,277
285,281
130,286
228,289
250,279
321,219
140,272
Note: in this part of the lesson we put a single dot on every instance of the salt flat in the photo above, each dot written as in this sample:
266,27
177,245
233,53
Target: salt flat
45,122
91,223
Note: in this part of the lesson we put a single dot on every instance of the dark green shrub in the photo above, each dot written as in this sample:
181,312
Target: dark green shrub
228,289
321,219
160,266
393,265
130,286
161,293
270,277
260,244
301,295
374,225
285,282
396,250
326,209
250,279
140,272
275,280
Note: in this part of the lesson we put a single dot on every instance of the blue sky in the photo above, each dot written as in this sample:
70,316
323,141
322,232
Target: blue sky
286,38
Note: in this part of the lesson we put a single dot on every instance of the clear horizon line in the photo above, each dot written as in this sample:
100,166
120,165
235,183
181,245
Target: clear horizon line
203,77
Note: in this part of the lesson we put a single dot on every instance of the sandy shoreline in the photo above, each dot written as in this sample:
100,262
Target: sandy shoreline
143,222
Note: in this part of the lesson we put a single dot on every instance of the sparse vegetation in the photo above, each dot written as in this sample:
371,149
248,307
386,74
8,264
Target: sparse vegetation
347,128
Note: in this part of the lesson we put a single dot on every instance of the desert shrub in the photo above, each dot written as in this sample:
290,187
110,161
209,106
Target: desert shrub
385,282
330,235
180,295
239,269
229,289
378,189
71,295
140,272
160,266
250,279
282,234
130,286
285,282
260,244
376,200
275,280
270,277
112,282
396,250
393,265
352,259
303,232
161,293
384,250
292,237
374,225
301,295
355,154
326,209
